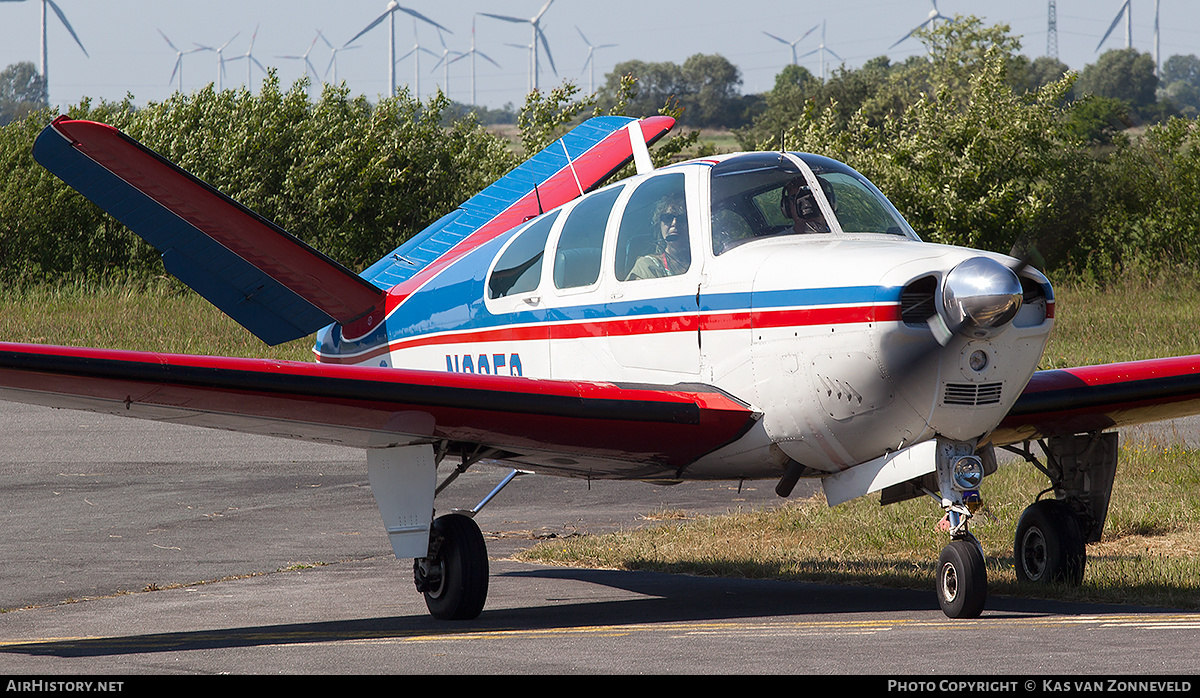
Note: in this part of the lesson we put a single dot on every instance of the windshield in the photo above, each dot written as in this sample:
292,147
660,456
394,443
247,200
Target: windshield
765,194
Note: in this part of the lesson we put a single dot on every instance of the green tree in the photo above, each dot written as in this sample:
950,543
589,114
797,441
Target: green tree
712,94
706,87
984,166
1043,71
1180,84
22,90
881,91
351,178
1121,74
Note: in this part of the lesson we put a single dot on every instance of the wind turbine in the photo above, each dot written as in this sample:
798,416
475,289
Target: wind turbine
307,66
445,62
934,15
1125,12
333,52
823,49
390,14
535,24
793,43
590,59
220,60
62,18
178,60
251,61
472,53
416,52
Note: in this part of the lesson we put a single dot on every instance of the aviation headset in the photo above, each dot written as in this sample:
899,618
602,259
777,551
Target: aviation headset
803,201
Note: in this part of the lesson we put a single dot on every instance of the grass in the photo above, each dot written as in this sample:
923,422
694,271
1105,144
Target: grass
1136,319
1148,554
158,315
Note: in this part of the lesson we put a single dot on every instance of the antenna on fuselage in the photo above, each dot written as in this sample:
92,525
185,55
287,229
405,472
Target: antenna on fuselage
539,199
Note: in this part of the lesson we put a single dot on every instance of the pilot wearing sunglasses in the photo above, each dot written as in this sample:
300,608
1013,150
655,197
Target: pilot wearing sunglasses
673,252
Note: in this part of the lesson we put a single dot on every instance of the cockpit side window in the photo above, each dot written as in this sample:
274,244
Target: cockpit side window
519,269
654,239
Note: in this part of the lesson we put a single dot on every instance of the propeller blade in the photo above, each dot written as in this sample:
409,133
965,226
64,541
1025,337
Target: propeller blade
370,26
506,19
164,36
542,11
546,45
63,19
1115,22
486,58
423,18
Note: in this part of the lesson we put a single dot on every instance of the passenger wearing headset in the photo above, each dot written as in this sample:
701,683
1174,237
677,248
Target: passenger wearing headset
799,204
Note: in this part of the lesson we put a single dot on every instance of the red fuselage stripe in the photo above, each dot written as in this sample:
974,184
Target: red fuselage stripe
633,326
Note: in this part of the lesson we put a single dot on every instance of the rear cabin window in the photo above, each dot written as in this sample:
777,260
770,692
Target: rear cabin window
577,259
519,269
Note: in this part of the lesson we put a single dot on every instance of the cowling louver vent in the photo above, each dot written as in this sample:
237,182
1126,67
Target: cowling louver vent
971,394
916,301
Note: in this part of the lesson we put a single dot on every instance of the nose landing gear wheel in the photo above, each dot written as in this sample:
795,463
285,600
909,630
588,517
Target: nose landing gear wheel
1049,547
454,578
961,580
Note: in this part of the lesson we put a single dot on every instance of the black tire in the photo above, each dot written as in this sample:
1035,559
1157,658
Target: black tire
461,590
961,580
1049,546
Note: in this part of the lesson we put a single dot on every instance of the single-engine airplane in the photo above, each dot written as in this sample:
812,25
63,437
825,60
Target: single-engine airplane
750,316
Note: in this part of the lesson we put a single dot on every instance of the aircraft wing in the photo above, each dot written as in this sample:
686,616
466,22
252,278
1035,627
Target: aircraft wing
1091,398
576,427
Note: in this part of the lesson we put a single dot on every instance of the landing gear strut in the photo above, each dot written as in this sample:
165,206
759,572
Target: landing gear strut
453,575
1050,545
962,574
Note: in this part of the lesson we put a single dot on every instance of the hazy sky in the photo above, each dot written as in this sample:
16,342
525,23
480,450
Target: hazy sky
127,54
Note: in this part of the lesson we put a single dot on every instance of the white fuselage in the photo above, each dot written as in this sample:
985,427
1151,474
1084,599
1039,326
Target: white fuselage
806,328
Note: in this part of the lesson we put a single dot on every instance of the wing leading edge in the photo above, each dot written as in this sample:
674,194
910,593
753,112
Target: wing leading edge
1092,398
624,430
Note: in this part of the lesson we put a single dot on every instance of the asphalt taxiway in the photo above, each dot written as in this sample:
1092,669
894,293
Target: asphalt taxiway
143,548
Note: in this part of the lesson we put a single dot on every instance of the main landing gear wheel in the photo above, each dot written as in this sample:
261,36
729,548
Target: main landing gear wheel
454,578
1049,547
962,579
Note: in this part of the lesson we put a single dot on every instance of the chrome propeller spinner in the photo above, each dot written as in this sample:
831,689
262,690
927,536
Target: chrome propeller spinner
979,298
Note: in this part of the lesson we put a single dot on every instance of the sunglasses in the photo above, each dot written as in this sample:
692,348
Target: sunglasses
669,218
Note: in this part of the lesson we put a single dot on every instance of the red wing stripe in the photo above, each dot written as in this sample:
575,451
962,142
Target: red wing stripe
666,424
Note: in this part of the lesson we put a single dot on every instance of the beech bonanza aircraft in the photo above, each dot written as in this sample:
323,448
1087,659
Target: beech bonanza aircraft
747,316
